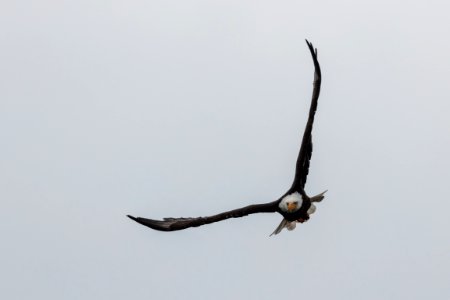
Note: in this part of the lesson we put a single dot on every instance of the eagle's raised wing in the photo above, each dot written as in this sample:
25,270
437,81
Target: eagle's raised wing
172,224
302,167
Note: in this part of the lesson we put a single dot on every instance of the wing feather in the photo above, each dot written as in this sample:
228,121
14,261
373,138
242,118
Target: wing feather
173,224
304,156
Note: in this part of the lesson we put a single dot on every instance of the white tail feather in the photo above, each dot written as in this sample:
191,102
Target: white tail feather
319,197
284,224
280,227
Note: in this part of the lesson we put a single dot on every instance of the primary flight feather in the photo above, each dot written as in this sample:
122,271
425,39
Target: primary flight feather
295,205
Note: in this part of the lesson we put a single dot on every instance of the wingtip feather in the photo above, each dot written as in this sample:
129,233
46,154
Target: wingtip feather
132,218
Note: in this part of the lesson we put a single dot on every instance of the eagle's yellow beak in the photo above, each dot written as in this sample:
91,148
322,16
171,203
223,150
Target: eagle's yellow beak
291,206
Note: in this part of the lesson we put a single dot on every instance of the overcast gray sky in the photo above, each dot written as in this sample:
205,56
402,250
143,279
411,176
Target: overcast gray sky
188,108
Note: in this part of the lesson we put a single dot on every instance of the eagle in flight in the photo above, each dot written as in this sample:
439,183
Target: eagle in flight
295,205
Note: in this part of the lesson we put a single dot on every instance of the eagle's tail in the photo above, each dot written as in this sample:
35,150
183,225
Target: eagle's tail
284,224
319,197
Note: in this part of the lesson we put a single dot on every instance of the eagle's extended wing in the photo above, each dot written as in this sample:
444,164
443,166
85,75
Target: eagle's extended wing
172,224
302,167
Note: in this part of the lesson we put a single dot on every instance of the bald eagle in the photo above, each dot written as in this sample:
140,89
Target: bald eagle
295,205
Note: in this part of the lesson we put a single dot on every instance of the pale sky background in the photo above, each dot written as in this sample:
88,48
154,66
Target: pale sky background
188,108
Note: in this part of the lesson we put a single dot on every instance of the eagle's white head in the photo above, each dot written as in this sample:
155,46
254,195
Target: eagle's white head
291,203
